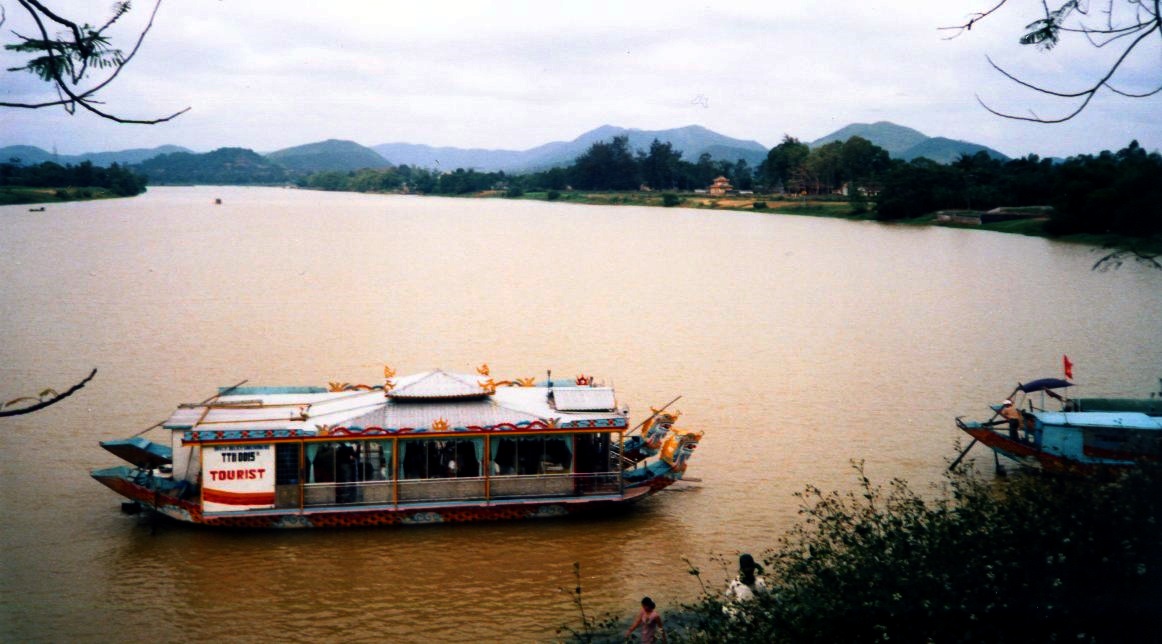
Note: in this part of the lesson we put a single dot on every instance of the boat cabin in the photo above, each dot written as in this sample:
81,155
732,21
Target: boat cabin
431,438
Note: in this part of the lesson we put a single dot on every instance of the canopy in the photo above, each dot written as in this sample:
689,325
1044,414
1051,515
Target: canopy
1043,384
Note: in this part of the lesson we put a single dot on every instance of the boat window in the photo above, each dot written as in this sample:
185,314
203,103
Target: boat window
593,453
441,458
530,455
286,464
374,458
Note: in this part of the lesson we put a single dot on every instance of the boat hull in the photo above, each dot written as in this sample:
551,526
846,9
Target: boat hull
152,493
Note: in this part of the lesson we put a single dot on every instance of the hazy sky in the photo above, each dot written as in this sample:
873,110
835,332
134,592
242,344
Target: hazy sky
267,74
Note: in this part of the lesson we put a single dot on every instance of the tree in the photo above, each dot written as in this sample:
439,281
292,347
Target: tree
862,161
607,166
783,160
1105,23
661,167
68,60
824,167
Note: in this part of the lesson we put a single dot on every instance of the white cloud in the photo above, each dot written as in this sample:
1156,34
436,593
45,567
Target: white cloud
266,75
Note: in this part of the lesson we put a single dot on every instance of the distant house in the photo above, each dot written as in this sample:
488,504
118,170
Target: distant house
720,187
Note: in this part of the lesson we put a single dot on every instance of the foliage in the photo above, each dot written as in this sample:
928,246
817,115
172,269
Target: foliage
1110,193
607,166
783,160
1113,192
1033,558
116,179
670,199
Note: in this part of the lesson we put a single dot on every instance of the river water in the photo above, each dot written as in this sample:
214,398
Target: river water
797,344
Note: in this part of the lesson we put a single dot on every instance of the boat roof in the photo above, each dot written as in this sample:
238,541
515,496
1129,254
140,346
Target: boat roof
1100,419
435,403
584,399
438,385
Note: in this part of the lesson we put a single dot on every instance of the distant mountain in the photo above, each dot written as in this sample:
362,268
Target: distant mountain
691,140
907,144
127,157
445,158
894,138
30,155
25,155
224,166
329,155
942,150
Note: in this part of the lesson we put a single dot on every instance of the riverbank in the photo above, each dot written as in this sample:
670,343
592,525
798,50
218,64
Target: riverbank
20,195
832,207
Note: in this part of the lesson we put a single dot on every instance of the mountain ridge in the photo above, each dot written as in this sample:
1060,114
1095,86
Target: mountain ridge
692,140
905,143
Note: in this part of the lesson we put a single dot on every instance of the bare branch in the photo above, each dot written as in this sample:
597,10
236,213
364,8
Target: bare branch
976,17
84,47
1045,32
45,403
1088,93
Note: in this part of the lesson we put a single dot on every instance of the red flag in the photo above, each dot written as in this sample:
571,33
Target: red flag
1068,367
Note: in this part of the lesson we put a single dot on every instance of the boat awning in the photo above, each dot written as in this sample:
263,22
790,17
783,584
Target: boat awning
1100,420
1043,384
584,399
141,452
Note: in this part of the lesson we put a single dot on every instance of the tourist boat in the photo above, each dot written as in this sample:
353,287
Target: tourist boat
431,447
1054,432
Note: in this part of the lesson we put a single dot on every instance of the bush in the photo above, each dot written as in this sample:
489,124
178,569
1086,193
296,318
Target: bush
759,205
1037,558
514,192
670,199
553,195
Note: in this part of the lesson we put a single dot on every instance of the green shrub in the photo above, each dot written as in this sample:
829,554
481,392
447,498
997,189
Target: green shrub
1032,558
553,195
759,205
670,199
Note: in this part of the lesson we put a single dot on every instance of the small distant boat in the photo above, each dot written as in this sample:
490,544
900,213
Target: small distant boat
40,209
1079,435
431,447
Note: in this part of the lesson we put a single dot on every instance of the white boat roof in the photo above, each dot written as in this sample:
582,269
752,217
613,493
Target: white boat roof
284,412
1100,419
438,384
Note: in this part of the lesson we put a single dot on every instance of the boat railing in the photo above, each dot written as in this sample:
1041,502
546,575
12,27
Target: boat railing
476,488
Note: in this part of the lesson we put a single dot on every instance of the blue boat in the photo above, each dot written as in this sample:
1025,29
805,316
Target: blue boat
1040,426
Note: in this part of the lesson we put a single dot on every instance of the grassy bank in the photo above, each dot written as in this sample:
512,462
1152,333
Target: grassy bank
829,206
18,195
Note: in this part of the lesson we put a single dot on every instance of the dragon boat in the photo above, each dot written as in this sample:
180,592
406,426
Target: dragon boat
432,447
1040,426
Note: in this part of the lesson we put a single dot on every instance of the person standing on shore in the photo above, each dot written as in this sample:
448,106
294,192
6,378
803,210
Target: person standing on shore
650,622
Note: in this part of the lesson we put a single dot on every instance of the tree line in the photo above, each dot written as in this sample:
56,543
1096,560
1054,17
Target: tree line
117,179
1111,192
